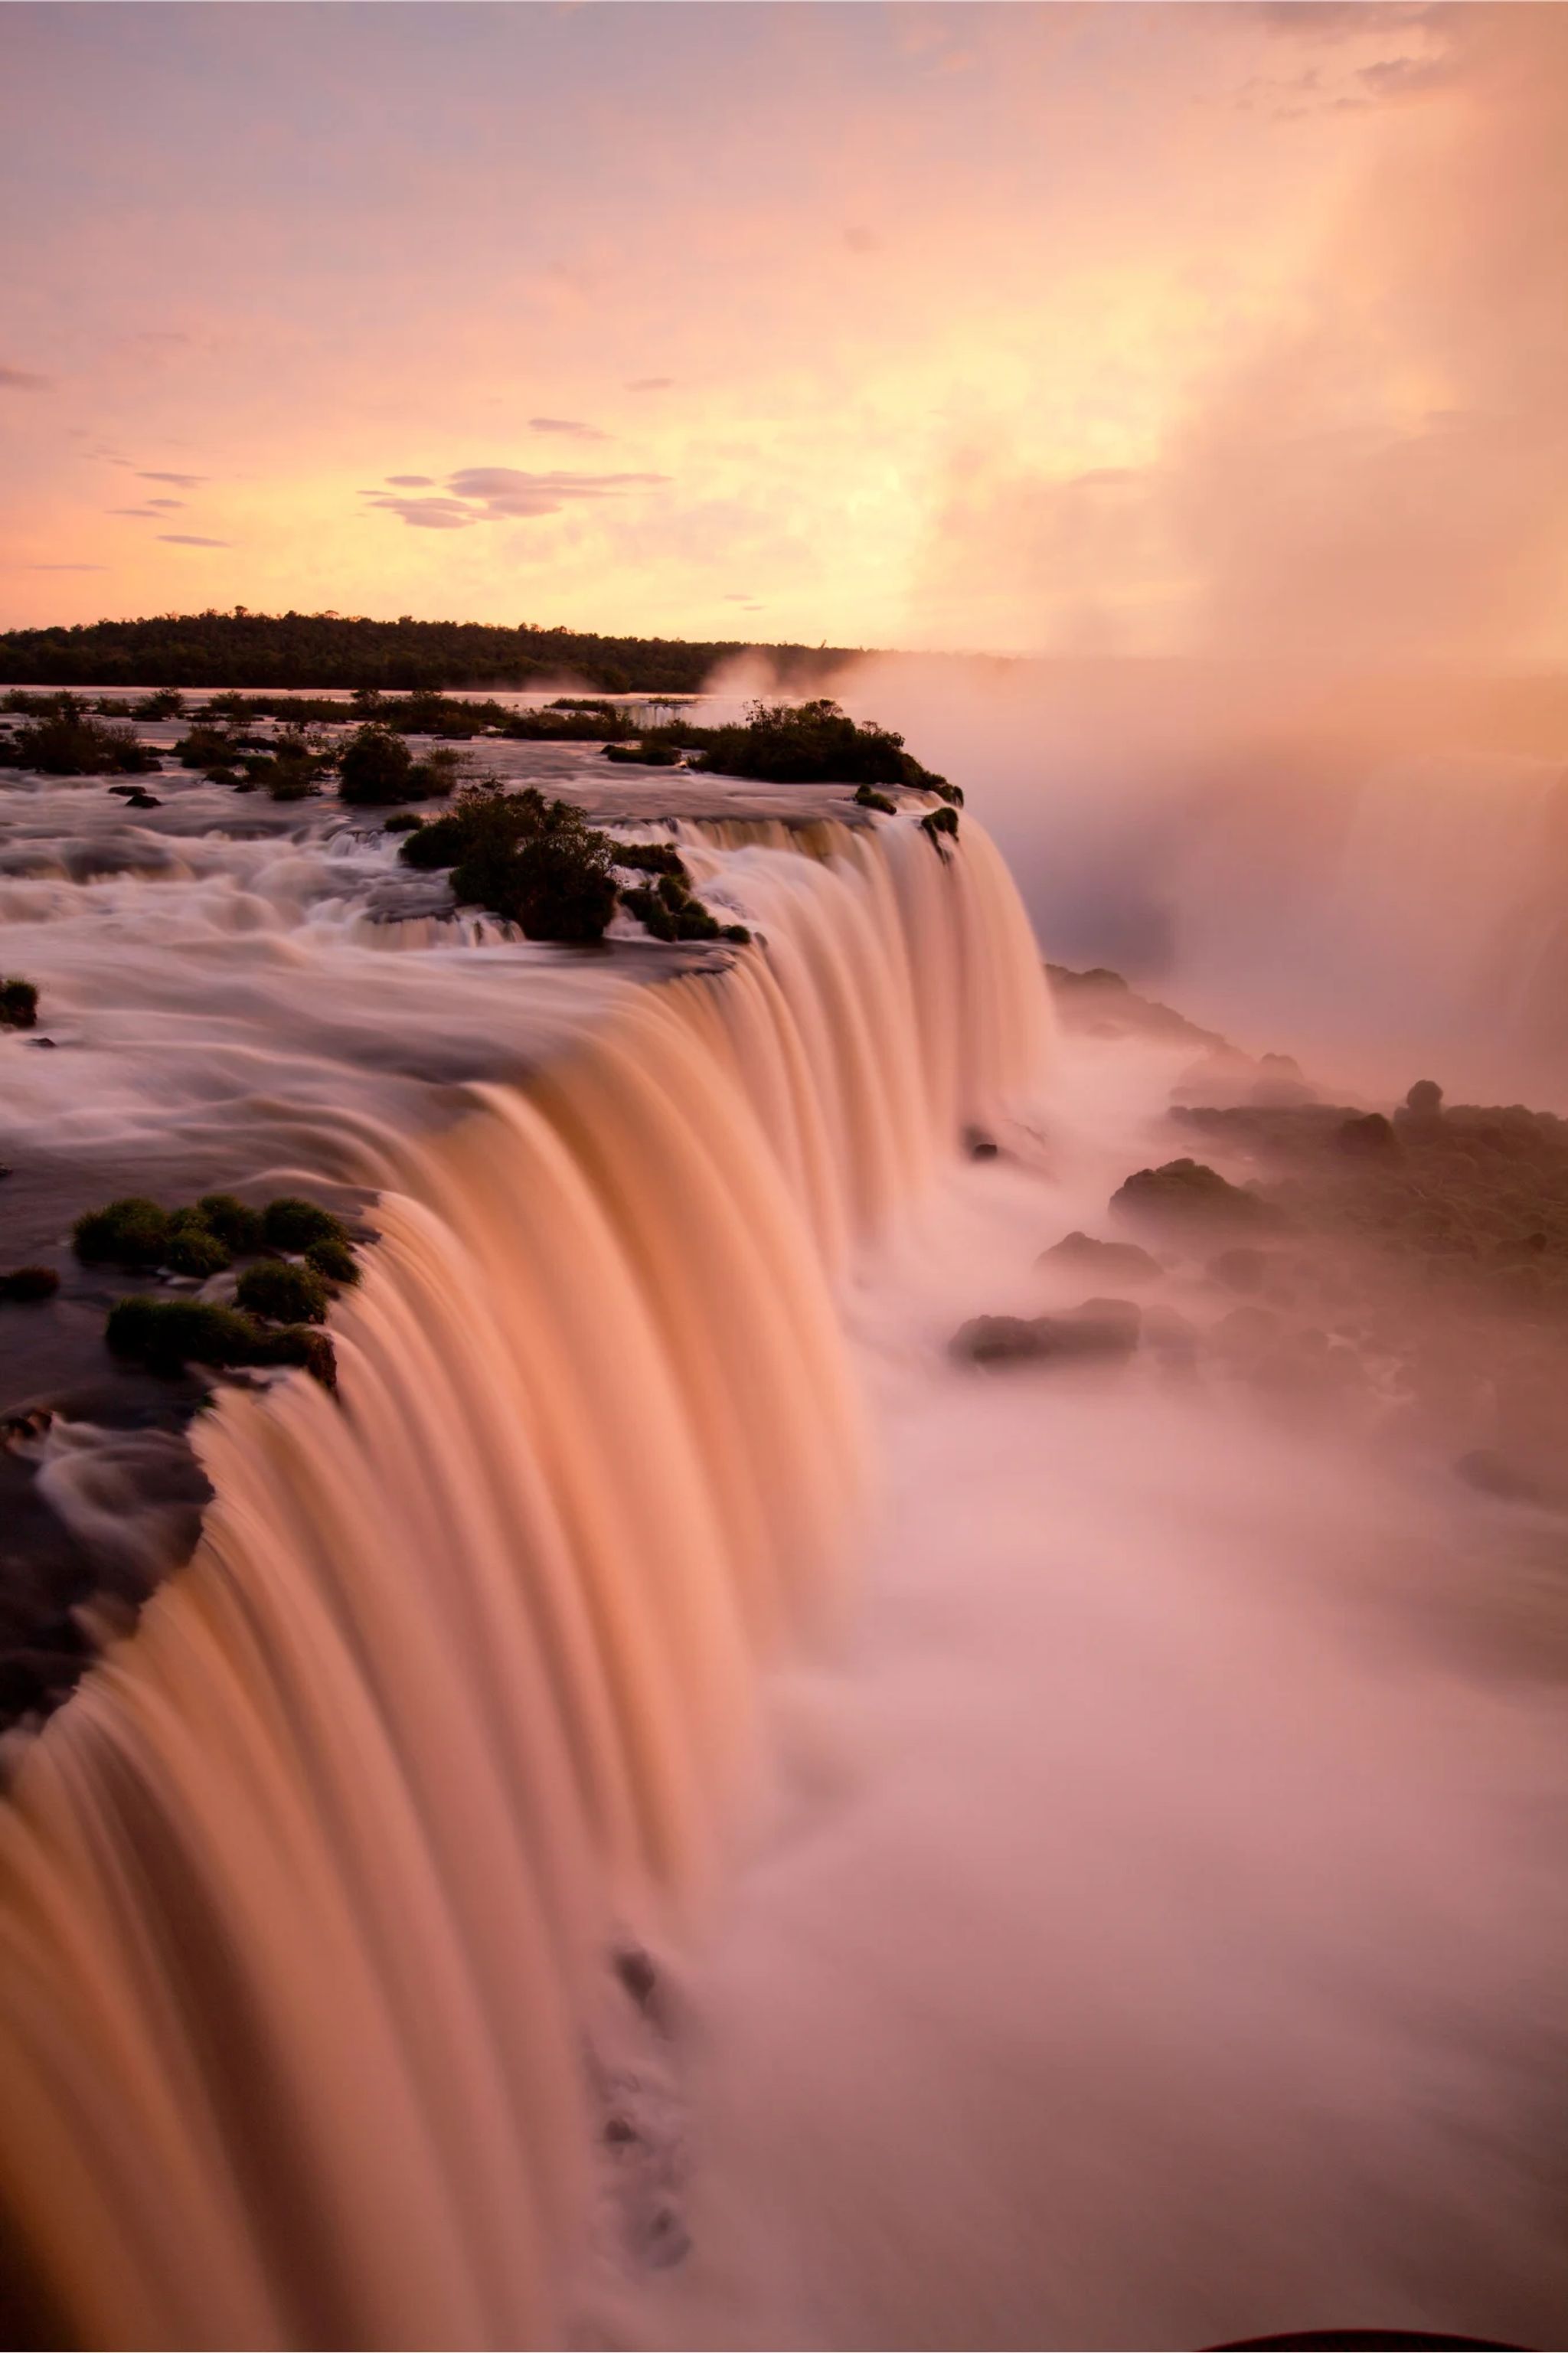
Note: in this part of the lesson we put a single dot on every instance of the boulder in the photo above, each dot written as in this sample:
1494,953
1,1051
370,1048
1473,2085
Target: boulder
1097,1330
1188,1197
1241,1269
1120,1261
1369,1134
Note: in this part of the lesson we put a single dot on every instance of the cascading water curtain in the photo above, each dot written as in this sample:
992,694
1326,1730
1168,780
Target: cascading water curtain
299,1891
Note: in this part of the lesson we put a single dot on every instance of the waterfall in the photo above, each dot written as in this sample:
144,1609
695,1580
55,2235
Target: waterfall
300,1892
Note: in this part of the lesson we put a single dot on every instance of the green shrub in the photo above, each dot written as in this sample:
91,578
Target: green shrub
131,1232
535,862
70,744
869,798
375,765
556,888
738,935
237,1227
291,1223
24,1285
283,1293
18,1004
437,775
939,822
405,823
167,702
333,1258
206,747
807,743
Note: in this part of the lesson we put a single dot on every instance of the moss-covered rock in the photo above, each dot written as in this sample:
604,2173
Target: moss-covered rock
165,1335
192,1249
239,1227
869,797
283,1293
129,1232
292,1223
332,1260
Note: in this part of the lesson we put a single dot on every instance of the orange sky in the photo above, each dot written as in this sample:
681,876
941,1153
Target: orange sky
1103,328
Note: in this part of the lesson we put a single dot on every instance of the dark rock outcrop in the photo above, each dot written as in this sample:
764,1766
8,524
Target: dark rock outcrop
1078,1253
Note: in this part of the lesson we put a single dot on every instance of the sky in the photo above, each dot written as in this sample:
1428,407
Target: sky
1101,329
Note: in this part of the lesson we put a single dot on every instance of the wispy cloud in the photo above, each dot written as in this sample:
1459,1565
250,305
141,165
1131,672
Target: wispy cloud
503,494
166,502
412,481
651,383
180,481
14,379
65,567
569,425
147,514
190,538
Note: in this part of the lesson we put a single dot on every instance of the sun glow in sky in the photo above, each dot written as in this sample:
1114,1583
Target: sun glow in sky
1109,328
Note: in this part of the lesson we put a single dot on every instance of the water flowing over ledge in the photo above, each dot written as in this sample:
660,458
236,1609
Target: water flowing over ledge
300,1893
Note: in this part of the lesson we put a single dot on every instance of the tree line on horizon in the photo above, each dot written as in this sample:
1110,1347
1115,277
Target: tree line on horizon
241,648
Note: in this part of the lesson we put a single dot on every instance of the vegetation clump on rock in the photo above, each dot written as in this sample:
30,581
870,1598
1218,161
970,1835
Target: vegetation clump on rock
670,913
941,823
205,1237
18,1004
536,863
869,797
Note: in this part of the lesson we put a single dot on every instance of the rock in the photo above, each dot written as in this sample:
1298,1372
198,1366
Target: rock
1244,1333
1280,1085
1239,1270
1425,1100
1370,1134
1501,1475
1172,1337
634,1966
1120,1261
1187,1195
1098,1329
26,1284
139,799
